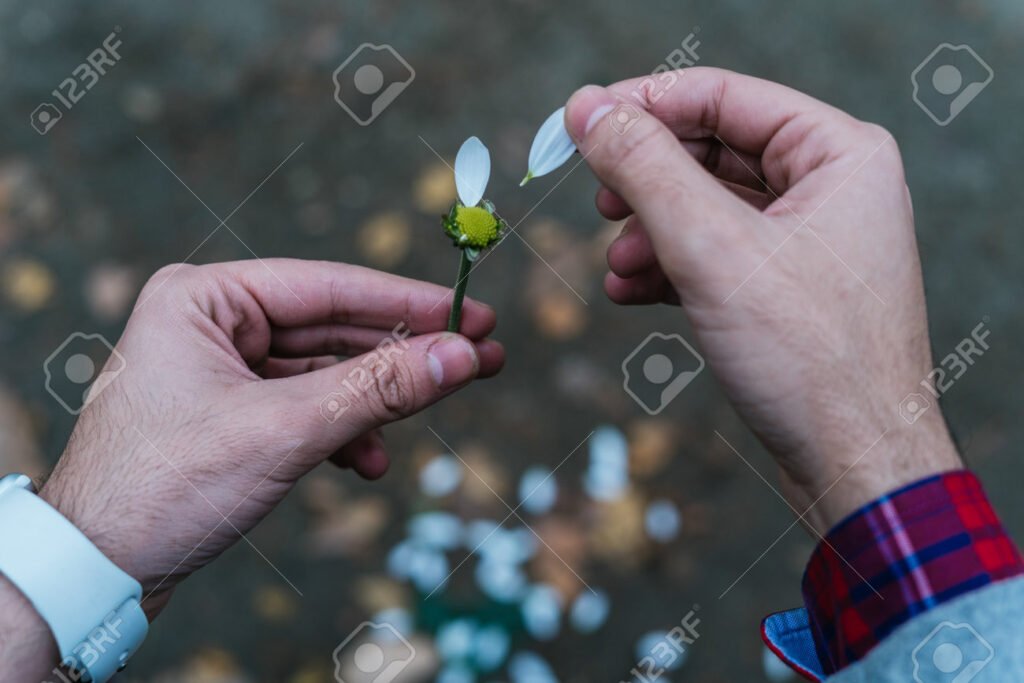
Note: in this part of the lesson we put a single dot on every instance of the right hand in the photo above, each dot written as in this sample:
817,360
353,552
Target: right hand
806,299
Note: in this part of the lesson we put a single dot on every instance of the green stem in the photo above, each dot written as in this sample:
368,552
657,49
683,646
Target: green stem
465,265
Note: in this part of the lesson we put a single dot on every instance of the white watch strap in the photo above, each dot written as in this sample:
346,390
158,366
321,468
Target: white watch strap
89,603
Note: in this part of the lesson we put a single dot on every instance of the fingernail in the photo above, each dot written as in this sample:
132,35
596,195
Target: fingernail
452,361
586,107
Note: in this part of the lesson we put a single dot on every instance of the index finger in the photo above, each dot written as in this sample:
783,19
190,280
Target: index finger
746,113
298,293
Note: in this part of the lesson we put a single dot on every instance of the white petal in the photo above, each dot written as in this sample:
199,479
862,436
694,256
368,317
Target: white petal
472,171
551,148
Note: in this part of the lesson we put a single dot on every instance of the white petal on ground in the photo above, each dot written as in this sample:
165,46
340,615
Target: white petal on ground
490,647
607,476
527,667
542,612
436,529
455,673
654,643
589,611
455,639
551,148
472,171
661,521
537,490
500,581
441,476
398,619
428,570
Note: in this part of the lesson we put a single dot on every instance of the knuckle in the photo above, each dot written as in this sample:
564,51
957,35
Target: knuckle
888,150
393,391
166,276
635,146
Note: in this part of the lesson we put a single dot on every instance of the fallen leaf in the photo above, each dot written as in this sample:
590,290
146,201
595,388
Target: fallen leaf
28,285
434,191
377,593
652,442
110,290
559,315
384,239
274,603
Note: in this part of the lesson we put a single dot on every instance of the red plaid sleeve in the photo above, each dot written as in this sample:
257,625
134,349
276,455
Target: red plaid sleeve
899,556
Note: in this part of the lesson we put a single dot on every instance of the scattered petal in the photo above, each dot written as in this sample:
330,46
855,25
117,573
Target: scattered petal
455,639
542,612
472,171
527,667
441,476
500,581
538,490
607,476
551,148
658,645
436,529
490,647
661,521
428,570
455,673
589,611
509,546
396,617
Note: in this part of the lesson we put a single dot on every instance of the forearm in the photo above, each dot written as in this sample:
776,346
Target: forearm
27,648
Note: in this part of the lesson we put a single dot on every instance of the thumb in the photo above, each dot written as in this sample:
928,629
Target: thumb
684,209
395,380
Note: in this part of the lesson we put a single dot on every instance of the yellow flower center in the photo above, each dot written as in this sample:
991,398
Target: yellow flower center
478,226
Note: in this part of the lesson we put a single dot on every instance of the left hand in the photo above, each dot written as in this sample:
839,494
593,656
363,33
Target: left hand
218,410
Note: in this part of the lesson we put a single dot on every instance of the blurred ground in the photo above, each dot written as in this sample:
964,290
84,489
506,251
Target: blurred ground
223,92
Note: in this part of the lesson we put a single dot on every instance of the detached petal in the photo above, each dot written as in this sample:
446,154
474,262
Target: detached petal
551,148
472,171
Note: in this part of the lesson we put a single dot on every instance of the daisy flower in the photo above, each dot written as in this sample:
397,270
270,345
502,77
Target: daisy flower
472,223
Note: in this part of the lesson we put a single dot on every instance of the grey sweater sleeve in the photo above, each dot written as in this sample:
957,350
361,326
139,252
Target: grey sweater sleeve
976,638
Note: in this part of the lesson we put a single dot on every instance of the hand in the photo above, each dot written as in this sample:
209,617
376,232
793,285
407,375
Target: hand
220,407
784,227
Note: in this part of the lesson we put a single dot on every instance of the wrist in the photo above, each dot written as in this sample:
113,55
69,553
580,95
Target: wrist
112,533
26,643
901,455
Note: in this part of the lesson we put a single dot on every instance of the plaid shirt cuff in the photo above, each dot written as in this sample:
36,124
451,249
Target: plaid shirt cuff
899,556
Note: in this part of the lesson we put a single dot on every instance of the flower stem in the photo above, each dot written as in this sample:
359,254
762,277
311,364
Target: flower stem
465,265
